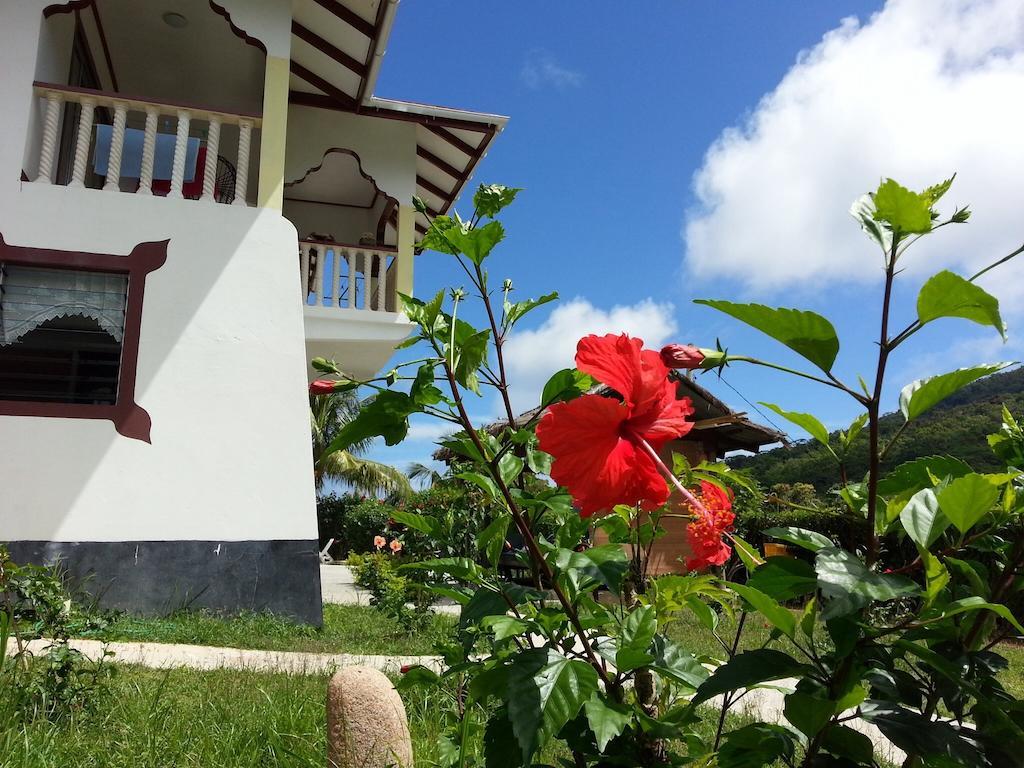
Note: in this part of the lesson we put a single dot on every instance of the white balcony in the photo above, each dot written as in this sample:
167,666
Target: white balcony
350,303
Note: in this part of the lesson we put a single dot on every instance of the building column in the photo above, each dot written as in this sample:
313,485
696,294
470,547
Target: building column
406,242
274,133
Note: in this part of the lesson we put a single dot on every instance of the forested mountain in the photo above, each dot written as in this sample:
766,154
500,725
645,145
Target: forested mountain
956,427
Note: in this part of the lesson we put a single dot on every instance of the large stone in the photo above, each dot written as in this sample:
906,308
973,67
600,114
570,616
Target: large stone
366,723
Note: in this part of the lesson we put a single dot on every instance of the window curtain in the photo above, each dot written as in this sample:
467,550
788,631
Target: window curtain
29,296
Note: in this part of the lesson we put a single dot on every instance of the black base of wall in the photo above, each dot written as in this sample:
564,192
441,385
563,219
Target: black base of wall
156,578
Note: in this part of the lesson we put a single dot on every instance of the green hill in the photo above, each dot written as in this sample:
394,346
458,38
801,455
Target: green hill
956,427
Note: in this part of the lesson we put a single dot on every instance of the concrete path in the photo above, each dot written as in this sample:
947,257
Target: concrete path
168,655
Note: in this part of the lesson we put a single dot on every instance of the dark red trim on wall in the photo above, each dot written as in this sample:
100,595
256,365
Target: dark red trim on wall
129,418
239,32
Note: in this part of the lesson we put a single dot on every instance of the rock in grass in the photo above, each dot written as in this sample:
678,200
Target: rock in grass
366,723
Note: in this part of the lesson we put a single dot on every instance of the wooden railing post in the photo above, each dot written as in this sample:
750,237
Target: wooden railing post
210,171
242,168
148,152
180,155
49,143
113,183
85,120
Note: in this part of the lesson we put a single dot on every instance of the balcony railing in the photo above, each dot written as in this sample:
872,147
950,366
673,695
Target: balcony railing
355,277
177,165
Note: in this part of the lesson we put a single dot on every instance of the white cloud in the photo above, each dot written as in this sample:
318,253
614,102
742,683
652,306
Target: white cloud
922,89
533,355
540,69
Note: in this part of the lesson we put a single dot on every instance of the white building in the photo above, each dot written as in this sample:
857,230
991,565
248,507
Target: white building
196,198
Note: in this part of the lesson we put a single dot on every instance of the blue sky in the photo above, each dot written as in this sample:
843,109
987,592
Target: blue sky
696,150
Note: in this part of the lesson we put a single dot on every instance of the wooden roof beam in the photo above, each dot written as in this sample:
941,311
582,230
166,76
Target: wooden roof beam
327,48
451,138
349,16
318,82
437,162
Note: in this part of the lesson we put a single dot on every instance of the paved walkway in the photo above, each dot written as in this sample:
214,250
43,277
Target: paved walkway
337,585
168,655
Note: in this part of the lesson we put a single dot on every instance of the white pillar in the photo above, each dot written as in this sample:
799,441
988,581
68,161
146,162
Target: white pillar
319,285
242,169
116,148
351,279
210,172
304,270
180,153
88,107
336,278
49,147
382,279
148,151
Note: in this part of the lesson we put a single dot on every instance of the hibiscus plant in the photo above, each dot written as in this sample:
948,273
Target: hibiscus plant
899,633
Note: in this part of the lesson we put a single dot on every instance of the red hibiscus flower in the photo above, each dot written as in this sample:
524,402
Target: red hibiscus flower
684,356
598,443
321,387
704,532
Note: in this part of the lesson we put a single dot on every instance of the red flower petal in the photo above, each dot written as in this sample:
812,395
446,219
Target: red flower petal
613,360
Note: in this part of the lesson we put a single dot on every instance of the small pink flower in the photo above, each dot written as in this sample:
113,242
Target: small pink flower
379,542
396,546
684,356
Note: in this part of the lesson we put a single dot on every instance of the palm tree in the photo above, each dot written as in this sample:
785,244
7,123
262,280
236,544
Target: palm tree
328,414
426,474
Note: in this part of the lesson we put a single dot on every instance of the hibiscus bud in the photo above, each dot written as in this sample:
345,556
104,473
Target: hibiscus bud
321,387
681,356
404,669
689,357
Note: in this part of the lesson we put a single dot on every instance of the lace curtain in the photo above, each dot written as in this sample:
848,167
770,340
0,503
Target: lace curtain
29,296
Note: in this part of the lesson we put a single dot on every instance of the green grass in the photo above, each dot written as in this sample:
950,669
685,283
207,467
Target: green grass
347,629
191,719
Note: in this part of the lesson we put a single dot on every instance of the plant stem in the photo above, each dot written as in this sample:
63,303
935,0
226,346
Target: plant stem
727,700
690,498
831,381
873,409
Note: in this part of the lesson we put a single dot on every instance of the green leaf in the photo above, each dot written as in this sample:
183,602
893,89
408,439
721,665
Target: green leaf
434,239
423,392
863,210
468,352
490,199
801,537
915,733
844,741
505,627
848,437
924,394
484,602
922,519
935,192
567,384
976,603
492,538
673,662
780,617
906,212
545,691
747,554
456,567
386,415
807,713
784,578
635,638
747,669
428,525
607,719
755,746
949,295
483,482
967,500
806,422
806,333
475,243
515,310
913,476
594,566
509,467
850,585
936,577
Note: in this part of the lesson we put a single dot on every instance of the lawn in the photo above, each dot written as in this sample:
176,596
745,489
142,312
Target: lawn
347,629
191,719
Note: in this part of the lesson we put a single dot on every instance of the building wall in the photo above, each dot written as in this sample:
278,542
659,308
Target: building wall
219,509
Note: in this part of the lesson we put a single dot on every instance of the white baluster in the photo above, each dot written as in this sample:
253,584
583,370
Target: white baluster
242,169
336,266
320,259
304,271
116,148
180,152
49,147
148,152
351,279
382,279
210,173
88,107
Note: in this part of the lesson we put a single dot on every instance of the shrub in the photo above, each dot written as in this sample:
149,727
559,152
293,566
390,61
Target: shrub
352,521
390,592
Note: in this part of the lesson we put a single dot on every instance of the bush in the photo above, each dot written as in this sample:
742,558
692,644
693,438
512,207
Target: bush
775,511
390,592
352,521
61,681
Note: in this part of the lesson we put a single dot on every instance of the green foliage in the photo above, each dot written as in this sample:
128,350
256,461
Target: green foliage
949,295
394,595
